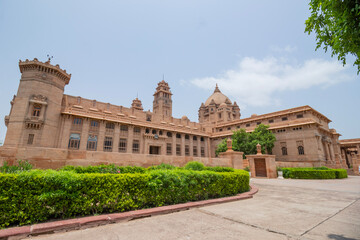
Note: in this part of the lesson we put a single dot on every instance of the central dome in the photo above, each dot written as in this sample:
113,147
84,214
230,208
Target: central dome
218,97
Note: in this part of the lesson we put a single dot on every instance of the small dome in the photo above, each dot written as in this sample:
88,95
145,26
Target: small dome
254,115
217,97
223,105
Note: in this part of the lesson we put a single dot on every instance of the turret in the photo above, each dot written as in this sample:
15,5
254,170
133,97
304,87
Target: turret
35,112
162,104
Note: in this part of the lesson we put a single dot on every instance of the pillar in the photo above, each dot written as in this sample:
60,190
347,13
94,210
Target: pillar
116,138
84,134
101,136
131,139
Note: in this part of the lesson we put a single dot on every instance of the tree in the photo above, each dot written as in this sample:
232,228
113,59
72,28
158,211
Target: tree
336,24
246,142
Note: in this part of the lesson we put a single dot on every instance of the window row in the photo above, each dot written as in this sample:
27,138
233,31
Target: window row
74,143
124,129
258,123
300,149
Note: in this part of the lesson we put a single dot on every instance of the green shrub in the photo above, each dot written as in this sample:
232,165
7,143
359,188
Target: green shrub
111,168
161,166
22,166
314,173
196,166
39,195
341,173
219,169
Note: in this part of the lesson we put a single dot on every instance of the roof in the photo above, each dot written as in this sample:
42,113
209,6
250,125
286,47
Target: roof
218,97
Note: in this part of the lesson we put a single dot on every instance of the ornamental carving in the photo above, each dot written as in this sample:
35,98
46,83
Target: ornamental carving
39,98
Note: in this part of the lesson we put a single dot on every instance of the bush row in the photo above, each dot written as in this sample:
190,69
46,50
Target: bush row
196,166
314,173
38,195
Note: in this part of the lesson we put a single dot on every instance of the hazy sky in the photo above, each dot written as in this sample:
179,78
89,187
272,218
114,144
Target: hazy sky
256,51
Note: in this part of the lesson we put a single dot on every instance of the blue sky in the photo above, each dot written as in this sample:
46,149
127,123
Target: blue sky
256,51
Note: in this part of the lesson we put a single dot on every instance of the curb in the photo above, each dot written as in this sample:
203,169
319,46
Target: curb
93,221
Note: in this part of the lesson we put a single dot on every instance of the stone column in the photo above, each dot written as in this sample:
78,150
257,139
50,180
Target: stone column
130,138
142,140
198,147
207,147
329,151
66,133
101,136
173,147
116,138
84,134
182,145
191,145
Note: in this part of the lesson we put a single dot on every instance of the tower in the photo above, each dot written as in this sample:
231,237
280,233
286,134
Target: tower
35,111
162,104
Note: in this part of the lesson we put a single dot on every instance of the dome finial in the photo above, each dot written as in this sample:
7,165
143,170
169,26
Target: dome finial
216,88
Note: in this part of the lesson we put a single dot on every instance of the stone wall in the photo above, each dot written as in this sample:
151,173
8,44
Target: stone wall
54,158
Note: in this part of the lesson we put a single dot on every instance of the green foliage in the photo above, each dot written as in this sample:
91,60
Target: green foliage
341,173
314,173
195,166
161,166
246,142
336,25
111,168
39,195
247,169
221,147
22,166
219,169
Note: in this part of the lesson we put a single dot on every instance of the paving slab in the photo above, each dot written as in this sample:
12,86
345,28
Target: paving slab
282,209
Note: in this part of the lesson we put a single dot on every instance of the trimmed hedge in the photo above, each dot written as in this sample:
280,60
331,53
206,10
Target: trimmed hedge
38,195
314,173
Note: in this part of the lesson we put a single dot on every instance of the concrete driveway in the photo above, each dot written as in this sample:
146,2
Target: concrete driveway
282,209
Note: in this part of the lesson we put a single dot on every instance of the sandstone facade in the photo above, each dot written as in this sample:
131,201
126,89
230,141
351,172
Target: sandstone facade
53,129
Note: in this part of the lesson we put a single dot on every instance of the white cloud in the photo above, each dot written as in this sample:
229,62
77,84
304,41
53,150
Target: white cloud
255,82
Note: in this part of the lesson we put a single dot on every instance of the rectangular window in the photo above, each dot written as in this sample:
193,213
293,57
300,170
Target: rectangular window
122,145
109,128
195,151
168,149
74,141
187,150
202,152
248,125
94,126
136,146
30,139
137,131
77,123
284,119
258,123
299,116
178,150
108,142
92,143
271,120
123,130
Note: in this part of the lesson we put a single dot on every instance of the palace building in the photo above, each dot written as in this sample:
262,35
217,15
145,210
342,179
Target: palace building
53,129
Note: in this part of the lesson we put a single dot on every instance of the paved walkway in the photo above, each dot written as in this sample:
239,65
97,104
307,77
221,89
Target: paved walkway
282,209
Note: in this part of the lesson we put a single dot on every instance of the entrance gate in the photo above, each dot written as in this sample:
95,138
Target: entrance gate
260,167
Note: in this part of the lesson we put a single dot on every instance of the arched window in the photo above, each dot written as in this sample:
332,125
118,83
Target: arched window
301,150
169,134
284,151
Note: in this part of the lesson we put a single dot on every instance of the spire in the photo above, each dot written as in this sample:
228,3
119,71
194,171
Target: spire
216,89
